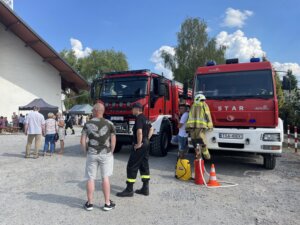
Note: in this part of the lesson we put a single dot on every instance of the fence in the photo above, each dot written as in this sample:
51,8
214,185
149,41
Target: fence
295,137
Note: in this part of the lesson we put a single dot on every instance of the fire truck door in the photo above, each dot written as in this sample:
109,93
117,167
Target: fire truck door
163,92
156,99
168,103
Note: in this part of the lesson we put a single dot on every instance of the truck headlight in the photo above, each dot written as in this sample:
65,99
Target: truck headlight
271,137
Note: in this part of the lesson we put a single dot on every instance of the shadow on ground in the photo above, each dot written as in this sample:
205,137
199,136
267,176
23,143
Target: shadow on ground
56,199
13,155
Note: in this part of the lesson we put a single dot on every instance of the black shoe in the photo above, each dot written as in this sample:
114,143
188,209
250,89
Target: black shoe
125,193
109,207
128,192
88,206
144,190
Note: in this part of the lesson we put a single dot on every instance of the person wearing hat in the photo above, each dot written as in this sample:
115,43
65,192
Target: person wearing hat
199,122
139,156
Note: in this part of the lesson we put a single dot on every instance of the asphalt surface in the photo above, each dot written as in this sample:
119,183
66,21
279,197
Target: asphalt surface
51,190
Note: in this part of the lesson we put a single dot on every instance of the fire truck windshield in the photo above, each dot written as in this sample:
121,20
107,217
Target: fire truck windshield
124,87
236,85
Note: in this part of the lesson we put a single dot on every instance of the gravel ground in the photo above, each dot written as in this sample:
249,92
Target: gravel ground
51,190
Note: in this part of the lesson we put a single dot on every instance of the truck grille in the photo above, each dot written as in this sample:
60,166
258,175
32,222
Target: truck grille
231,145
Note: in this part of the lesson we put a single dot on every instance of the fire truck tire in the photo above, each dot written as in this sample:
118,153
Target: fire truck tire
160,143
269,162
118,148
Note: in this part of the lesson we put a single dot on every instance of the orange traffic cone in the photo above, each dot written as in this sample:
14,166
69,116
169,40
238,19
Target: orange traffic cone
212,177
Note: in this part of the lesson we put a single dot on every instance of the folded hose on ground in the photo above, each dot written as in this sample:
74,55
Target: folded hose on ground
227,184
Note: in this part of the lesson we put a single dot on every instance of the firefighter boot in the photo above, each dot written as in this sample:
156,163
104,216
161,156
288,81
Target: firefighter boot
144,190
128,191
205,152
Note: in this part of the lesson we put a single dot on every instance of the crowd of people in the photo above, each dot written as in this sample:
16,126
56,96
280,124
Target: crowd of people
54,129
16,121
35,127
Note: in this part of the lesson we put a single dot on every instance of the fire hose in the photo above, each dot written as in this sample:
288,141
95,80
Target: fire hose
202,173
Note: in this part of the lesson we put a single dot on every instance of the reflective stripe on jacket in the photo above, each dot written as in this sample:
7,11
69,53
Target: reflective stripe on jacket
199,117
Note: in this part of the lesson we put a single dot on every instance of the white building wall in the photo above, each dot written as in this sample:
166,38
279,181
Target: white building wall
24,76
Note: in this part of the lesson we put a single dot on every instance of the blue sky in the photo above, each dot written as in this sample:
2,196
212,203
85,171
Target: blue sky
139,28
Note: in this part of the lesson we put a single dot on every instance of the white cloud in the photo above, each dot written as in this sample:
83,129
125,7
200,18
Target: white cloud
236,18
159,62
78,48
239,46
295,67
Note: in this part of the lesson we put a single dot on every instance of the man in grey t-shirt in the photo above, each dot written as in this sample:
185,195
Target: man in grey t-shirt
99,140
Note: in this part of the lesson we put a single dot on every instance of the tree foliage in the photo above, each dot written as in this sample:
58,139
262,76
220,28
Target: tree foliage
194,48
279,91
290,110
97,63
92,66
290,81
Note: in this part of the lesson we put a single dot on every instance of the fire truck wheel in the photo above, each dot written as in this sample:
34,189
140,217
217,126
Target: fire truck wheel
118,148
269,162
160,143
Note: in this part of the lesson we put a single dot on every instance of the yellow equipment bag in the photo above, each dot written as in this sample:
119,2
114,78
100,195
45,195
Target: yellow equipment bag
183,169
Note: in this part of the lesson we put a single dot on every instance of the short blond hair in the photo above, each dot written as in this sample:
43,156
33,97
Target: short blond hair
50,115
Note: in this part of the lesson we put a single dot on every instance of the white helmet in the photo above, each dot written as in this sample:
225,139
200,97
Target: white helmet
199,97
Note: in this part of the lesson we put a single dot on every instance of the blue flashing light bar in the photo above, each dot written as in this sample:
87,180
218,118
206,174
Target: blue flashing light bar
211,63
255,60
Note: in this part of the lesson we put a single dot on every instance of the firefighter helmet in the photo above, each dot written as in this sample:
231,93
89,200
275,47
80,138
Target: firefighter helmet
199,97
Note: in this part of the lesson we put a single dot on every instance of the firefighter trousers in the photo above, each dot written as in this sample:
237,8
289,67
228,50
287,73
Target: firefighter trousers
198,136
139,161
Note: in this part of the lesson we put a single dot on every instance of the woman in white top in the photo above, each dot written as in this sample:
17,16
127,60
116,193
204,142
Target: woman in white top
61,131
50,131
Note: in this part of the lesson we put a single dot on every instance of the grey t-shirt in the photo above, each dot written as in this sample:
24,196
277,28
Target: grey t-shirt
99,132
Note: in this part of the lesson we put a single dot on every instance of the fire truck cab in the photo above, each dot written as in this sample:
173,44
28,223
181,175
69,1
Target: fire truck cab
159,96
244,108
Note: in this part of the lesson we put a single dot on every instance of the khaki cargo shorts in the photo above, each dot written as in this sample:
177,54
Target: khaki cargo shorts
103,160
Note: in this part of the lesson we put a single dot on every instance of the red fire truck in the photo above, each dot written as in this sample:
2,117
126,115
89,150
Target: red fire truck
159,96
244,108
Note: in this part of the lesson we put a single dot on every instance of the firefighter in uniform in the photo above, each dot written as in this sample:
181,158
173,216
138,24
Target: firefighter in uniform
69,123
199,123
138,160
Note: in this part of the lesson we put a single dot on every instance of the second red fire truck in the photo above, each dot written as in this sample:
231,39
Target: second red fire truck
244,108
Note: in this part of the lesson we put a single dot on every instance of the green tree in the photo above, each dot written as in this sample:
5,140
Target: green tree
69,57
194,48
290,111
290,81
99,62
279,91
92,66
293,80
